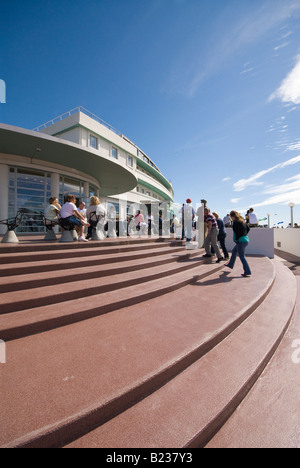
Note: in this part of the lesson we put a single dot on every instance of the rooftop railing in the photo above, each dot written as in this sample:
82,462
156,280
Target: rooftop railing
140,154
75,111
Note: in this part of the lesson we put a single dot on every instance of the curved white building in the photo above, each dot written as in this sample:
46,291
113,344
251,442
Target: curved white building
75,153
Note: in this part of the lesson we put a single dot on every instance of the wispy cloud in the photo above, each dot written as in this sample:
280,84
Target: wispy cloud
291,184
284,193
235,200
289,90
192,68
281,46
253,180
247,68
294,146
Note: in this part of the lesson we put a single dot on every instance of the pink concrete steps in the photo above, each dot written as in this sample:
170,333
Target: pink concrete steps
36,302
62,384
86,269
62,310
23,263
193,406
269,416
66,287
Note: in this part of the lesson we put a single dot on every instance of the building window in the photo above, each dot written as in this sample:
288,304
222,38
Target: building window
130,161
114,152
93,142
29,189
70,186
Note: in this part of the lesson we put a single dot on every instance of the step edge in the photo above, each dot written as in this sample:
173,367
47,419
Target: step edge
38,282
95,416
8,258
15,306
15,269
17,332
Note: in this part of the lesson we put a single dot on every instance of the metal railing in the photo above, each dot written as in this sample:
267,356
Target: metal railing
140,154
75,111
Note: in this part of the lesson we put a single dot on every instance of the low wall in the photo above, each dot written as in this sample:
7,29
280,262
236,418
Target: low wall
261,242
287,240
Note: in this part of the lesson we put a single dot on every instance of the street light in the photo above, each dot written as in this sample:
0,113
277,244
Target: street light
291,205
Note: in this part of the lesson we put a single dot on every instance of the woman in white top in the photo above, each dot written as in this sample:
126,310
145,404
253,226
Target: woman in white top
70,213
97,208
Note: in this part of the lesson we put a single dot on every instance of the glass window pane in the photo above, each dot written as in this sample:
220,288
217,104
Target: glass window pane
93,141
28,189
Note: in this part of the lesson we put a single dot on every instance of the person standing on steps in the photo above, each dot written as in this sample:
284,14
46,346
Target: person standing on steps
211,238
188,216
222,235
241,239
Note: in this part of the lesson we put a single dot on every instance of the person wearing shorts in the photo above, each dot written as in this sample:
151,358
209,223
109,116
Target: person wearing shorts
70,213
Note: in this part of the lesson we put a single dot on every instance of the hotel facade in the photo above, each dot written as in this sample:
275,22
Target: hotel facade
81,154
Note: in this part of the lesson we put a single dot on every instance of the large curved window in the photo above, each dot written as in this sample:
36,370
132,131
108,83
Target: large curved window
70,186
28,189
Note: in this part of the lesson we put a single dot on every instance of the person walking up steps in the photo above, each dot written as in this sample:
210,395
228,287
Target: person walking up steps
222,235
241,239
211,238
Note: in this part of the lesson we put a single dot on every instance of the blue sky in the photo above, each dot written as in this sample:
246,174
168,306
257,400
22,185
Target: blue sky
209,89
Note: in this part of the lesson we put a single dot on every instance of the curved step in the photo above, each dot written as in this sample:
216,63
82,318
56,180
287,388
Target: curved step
87,373
83,250
100,269
38,244
96,257
269,415
192,407
52,311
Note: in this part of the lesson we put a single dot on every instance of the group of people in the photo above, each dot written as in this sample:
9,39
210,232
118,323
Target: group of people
216,232
96,216
80,217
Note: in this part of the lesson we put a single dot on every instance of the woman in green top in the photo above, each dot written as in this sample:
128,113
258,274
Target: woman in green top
241,239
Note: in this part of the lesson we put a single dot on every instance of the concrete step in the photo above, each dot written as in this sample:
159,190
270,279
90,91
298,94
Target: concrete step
63,291
38,244
11,265
36,311
192,407
58,251
61,384
269,416
96,270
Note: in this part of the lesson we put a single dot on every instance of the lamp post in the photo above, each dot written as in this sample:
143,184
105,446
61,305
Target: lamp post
291,205
269,220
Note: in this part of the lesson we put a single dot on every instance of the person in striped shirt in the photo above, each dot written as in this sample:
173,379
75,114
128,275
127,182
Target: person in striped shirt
211,238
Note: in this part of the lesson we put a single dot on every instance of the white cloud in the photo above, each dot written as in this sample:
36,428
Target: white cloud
281,46
242,184
283,194
282,199
289,90
291,184
195,65
293,146
235,200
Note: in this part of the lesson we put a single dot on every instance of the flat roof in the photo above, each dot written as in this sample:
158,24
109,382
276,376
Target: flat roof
113,178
